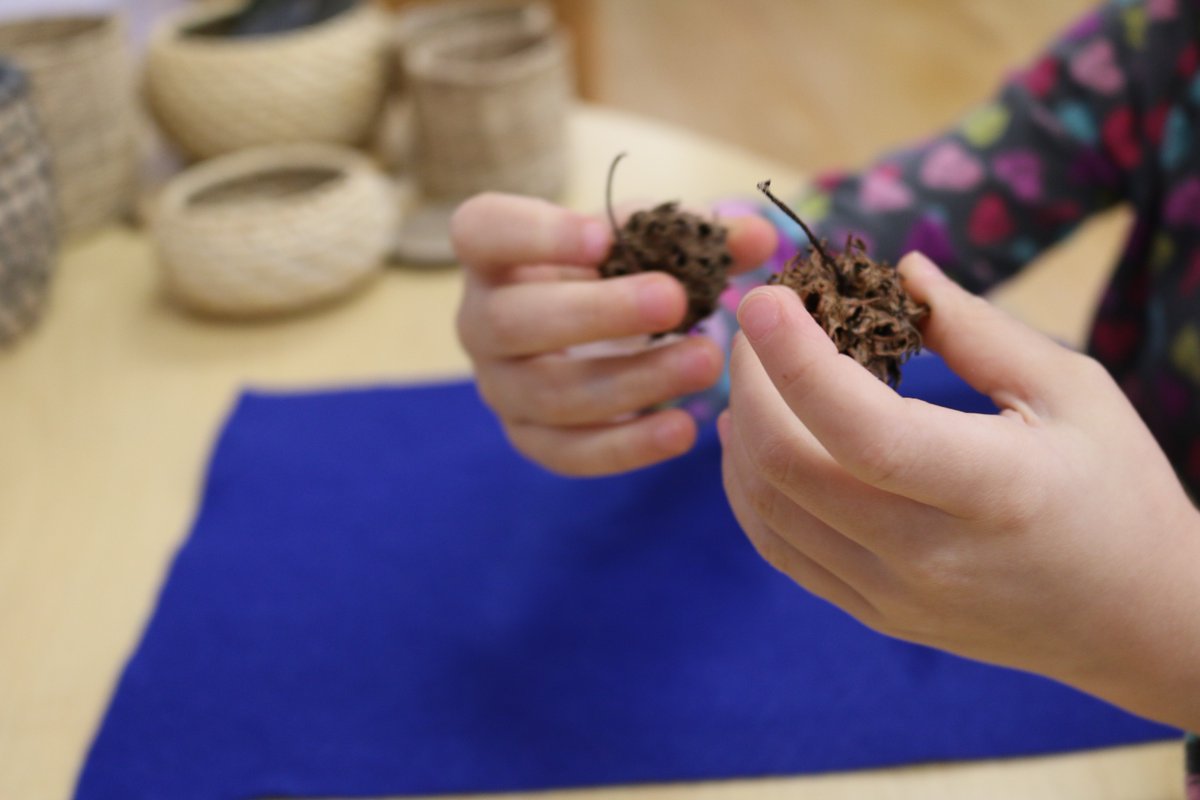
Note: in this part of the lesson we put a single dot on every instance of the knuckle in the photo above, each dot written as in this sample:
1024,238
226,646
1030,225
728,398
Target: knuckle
796,378
501,328
768,547
937,570
879,460
762,499
775,460
549,402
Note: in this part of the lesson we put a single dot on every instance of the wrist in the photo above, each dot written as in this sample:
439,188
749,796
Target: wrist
1147,660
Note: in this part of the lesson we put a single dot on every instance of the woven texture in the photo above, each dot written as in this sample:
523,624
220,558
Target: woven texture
418,22
322,83
490,100
271,230
28,218
79,72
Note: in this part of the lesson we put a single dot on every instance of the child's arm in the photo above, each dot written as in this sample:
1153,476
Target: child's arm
1053,537
1074,133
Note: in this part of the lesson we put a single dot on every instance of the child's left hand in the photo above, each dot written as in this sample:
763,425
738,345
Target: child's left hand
1053,537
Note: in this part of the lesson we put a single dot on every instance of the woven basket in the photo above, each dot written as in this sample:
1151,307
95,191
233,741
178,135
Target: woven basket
490,104
321,83
82,89
274,229
420,21
28,216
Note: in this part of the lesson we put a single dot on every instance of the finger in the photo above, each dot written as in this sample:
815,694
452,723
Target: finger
561,390
752,240
531,318
803,552
787,457
930,454
606,449
1017,367
492,232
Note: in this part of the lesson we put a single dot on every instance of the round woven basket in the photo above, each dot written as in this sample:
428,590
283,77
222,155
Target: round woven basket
490,105
82,89
272,230
215,94
28,216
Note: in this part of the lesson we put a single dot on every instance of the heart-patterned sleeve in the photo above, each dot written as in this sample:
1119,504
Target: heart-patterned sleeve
1059,142
1107,114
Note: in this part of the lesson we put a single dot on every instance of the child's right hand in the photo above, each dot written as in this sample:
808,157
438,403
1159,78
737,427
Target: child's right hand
532,291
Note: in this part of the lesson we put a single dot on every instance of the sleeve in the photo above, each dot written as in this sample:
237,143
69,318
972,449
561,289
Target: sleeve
1058,143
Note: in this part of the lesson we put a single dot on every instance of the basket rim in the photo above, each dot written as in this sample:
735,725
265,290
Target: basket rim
169,32
345,162
433,17
425,62
97,33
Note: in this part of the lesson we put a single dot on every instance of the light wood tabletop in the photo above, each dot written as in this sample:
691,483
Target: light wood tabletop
108,412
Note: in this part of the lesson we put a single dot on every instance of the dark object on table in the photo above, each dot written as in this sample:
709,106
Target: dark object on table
680,243
264,17
28,212
859,302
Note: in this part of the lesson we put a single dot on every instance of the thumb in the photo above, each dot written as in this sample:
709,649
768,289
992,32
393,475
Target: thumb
1005,359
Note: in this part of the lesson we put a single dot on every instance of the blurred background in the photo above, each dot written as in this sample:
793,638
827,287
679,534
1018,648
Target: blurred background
448,99
789,79
812,83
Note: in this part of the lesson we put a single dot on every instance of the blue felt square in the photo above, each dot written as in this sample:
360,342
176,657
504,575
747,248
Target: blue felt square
379,597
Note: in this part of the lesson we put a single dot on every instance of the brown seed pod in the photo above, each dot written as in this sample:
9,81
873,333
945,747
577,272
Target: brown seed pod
680,243
859,302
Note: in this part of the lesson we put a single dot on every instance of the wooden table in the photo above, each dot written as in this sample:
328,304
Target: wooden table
109,410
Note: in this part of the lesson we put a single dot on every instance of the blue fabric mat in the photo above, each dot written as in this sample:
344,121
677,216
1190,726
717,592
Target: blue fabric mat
378,597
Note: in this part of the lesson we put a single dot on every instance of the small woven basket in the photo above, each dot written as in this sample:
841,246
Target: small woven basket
80,76
490,100
321,83
28,216
272,230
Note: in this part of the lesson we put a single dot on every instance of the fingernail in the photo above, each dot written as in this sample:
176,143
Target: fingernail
723,427
594,239
759,314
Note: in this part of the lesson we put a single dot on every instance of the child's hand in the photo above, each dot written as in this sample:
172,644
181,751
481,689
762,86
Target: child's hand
532,291
1053,538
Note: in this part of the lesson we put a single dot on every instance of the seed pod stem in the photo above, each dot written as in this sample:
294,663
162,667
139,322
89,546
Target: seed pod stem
612,218
765,188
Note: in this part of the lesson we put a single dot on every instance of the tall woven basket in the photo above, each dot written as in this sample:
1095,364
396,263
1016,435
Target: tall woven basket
489,108
215,94
419,21
28,217
79,71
